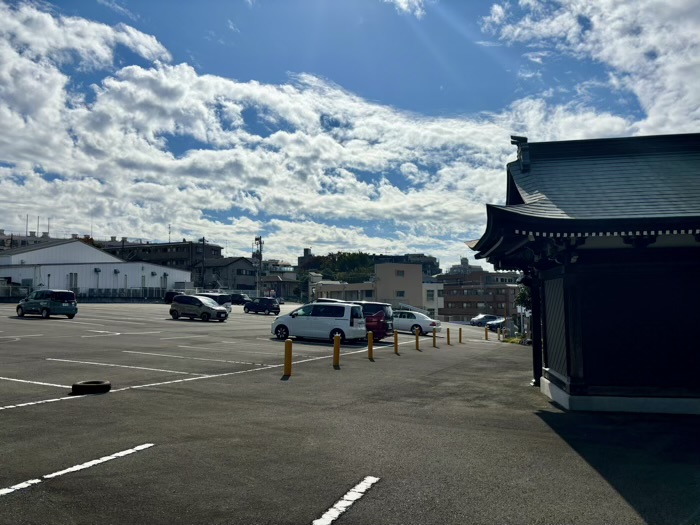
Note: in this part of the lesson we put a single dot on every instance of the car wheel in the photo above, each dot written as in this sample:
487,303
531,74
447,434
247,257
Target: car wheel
91,387
45,313
20,311
70,316
174,314
339,332
246,309
205,316
282,332
267,312
416,329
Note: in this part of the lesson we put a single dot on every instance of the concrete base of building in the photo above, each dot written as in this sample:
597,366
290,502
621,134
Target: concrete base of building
652,405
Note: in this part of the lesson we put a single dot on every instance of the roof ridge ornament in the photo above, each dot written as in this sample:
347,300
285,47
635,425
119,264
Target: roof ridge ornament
523,152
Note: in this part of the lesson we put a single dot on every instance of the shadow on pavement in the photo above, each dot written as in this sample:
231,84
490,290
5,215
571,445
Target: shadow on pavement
651,460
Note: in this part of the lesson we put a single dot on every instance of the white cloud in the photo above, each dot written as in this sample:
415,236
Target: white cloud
413,7
651,48
337,172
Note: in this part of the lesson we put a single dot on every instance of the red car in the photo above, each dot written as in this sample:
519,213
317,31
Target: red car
379,317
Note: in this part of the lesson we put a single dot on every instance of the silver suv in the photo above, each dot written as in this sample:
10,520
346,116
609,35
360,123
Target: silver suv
195,306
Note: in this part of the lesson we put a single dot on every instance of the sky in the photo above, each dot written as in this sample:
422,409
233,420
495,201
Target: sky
380,126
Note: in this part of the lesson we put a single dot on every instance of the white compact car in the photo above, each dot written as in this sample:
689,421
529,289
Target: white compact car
322,321
415,322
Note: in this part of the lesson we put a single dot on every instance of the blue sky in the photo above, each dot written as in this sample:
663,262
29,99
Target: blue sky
373,125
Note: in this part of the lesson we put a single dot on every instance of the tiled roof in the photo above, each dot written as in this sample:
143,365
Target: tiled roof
638,177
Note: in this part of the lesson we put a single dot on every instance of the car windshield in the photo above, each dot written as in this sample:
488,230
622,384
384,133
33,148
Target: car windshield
208,301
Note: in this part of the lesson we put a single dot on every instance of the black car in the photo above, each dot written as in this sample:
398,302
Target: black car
169,295
266,305
240,298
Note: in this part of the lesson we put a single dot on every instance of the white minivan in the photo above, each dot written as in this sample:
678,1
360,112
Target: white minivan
322,321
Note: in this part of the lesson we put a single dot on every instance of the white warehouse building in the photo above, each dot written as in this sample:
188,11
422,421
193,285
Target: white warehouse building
90,272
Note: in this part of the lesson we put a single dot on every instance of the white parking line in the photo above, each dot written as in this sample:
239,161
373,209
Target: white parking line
212,376
32,382
193,358
20,336
124,366
81,322
182,337
344,503
82,466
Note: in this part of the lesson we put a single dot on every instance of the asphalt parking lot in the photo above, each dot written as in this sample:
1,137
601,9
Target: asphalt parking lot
200,427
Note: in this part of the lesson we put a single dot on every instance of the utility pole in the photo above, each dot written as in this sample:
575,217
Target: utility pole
203,241
259,245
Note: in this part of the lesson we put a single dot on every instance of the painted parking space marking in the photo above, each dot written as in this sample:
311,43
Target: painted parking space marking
82,466
174,381
124,366
20,336
82,322
344,503
182,337
100,333
112,320
194,358
32,382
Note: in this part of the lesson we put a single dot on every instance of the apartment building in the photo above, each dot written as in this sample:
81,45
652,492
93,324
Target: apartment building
478,292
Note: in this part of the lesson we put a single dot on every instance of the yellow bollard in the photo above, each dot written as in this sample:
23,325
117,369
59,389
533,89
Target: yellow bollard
396,342
370,346
417,341
460,336
448,337
288,357
486,333
434,340
336,351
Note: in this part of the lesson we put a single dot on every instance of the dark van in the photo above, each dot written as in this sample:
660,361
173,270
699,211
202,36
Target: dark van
49,302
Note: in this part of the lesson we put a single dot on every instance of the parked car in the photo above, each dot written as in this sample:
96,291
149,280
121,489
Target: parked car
266,305
496,324
415,322
49,302
222,299
194,306
379,317
322,321
240,298
482,319
169,296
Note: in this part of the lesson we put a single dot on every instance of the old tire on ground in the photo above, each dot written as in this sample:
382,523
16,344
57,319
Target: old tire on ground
282,332
20,311
45,313
205,316
82,388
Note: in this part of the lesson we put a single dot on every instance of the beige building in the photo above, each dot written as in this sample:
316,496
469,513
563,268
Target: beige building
394,283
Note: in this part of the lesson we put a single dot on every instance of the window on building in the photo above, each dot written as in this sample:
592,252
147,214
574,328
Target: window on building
399,273
441,293
431,312
368,294
430,295
400,293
